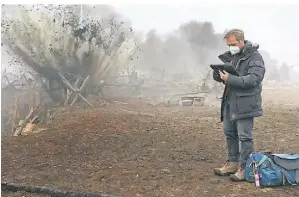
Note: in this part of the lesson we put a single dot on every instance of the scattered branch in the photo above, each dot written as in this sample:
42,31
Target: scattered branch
20,128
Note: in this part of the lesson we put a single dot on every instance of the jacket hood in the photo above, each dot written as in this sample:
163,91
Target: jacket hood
248,48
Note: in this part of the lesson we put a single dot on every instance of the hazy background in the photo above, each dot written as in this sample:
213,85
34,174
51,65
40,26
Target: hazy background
274,27
172,36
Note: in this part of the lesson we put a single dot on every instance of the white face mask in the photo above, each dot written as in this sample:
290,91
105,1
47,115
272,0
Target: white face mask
234,49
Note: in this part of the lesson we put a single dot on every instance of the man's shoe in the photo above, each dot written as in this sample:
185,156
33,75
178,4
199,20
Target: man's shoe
227,169
239,175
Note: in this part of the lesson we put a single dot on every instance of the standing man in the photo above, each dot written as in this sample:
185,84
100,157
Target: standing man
241,102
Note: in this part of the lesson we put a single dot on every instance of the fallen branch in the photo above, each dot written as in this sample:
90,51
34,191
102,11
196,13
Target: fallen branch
24,123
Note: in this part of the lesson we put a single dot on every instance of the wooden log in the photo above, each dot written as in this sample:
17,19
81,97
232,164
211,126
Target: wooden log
24,123
65,81
81,90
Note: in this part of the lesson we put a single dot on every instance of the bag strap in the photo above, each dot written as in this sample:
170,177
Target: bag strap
262,160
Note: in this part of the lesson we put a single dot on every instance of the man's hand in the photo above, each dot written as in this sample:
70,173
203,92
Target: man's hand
224,75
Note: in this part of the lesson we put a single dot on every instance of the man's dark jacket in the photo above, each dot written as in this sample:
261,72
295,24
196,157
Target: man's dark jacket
243,93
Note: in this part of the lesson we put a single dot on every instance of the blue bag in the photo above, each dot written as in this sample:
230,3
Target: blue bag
290,165
273,169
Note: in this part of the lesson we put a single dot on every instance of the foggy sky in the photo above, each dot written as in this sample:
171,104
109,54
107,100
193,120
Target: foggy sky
275,28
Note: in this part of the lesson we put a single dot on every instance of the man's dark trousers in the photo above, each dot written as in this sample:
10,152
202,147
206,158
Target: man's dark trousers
238,136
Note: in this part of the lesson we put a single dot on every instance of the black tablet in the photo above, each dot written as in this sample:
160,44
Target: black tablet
225,67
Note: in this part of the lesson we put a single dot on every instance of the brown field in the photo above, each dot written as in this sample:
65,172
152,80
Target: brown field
143,150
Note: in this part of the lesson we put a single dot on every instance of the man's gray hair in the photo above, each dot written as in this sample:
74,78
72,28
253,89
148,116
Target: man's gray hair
239,34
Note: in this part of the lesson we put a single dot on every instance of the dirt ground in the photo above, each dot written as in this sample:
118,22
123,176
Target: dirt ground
21,194
143,150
